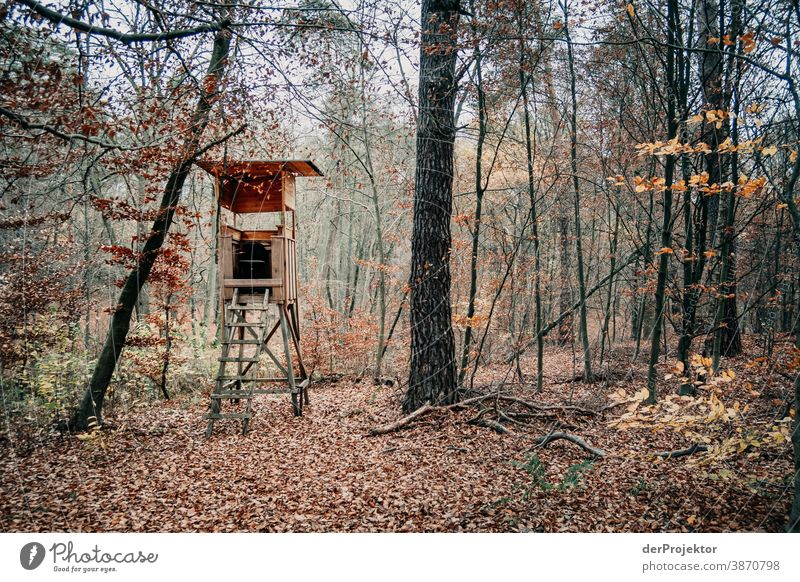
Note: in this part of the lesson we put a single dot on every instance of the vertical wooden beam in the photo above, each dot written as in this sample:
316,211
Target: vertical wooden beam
296,399
296,339
278,270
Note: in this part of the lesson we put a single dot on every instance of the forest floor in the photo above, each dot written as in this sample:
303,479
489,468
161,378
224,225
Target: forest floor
155,471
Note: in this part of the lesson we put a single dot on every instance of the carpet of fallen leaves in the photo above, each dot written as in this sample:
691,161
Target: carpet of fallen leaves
155,471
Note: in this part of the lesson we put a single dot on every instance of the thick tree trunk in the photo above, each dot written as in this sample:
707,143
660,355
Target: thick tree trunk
92,405
432,376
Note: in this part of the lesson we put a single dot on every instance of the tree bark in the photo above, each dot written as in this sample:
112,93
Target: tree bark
92,405
666,228
432,376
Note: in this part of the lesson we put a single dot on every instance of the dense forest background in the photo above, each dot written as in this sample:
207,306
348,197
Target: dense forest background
623,254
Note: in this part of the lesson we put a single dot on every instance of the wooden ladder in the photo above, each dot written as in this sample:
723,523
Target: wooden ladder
232,386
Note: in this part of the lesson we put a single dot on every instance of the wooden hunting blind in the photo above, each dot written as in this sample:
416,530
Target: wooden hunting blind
257,283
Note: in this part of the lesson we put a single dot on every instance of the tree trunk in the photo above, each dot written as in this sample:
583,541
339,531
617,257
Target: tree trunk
584,331
794,515
92,404
534,216
476,230
210,308
612,249
564,334
167,347
727,339
641,309
379,242
432,376
666,228
696,217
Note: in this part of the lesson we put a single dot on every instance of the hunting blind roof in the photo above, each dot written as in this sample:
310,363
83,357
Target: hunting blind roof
258,185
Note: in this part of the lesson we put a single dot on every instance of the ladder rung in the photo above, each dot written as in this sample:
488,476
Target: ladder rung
250,307
218,416
247,324
243,360
241,342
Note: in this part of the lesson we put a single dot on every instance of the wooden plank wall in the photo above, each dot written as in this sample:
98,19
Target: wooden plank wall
277,267
225,248
291,270
284,267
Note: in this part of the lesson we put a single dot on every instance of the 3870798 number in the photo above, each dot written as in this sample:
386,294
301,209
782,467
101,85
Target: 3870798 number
755,565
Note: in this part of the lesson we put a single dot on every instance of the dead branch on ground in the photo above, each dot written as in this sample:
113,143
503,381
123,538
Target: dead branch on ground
554,436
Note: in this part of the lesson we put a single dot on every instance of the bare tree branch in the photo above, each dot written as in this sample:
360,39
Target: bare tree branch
127,38
26,124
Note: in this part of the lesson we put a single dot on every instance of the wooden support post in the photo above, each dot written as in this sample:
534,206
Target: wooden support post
297,403
296,338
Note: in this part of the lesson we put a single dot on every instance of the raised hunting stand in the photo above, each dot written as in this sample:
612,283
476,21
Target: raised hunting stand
257,280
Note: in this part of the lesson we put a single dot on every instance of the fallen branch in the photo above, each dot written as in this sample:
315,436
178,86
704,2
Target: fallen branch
544,409
398,424
425,409
554,436
695,448
493,424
